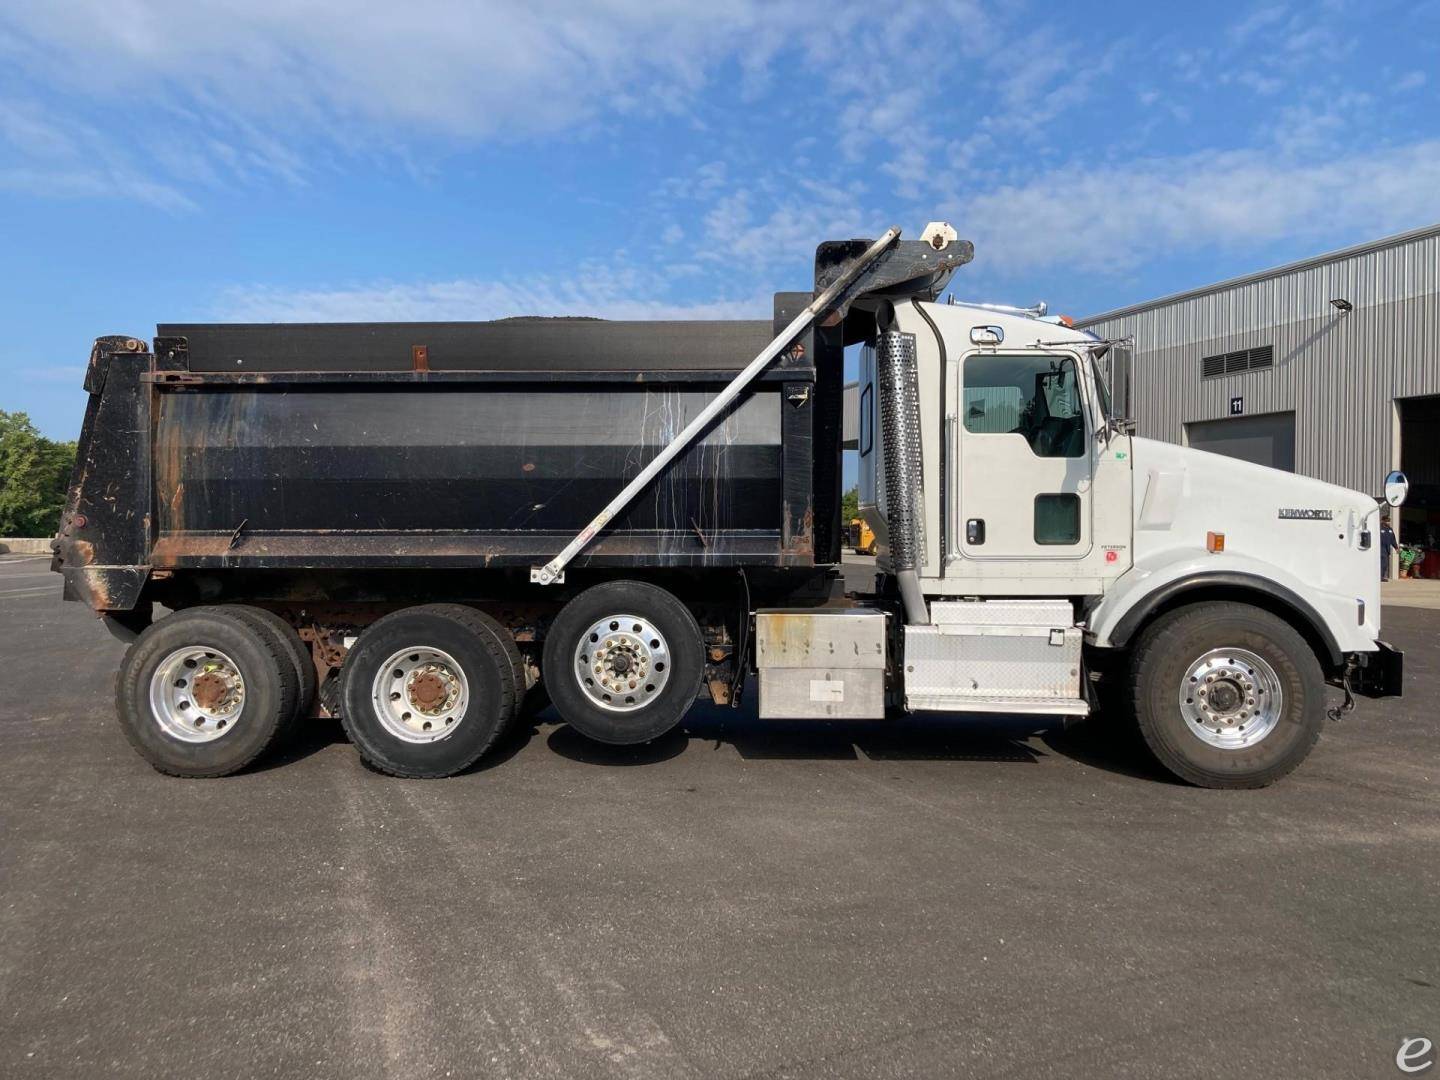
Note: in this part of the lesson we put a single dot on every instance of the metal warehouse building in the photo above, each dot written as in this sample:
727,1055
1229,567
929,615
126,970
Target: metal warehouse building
1328,367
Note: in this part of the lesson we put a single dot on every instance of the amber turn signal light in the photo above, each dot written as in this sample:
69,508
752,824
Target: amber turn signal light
1214,541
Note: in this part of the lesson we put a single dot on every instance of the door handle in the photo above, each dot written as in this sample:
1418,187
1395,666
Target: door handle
975,531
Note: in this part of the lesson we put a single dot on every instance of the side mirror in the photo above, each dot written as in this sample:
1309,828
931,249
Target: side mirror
1397,486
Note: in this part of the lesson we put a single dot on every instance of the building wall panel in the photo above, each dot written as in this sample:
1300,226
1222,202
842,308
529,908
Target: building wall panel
1340,373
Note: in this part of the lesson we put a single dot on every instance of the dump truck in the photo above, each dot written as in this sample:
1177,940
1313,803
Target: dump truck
429,530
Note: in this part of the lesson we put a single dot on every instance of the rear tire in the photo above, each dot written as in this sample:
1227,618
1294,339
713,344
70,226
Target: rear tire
427,690
1227,695
650,657
203,693
288,641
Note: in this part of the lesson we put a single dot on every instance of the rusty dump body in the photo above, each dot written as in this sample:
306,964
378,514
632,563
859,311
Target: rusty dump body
362,466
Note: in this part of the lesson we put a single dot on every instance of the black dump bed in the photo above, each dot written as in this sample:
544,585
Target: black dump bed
464,445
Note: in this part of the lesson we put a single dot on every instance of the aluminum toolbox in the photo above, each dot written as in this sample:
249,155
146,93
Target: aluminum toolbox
819,663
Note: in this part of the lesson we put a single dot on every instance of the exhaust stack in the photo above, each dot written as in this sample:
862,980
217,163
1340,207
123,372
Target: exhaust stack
896,369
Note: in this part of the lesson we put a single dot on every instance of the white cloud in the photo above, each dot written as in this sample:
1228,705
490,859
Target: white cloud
48,154
69,183
465,69
453,68
1261,18
238,92
1035,89
1264,85
1291,38
1112,218
1411,80
771,225
609,293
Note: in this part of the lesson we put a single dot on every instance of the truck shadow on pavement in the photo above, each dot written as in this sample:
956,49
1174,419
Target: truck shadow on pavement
1003,740
999,739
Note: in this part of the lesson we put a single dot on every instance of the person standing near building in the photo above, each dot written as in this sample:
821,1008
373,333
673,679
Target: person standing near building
1387,545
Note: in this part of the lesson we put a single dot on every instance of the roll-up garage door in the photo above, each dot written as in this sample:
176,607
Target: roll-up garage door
1266,440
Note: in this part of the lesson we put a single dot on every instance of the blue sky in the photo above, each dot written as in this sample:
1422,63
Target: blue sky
295,159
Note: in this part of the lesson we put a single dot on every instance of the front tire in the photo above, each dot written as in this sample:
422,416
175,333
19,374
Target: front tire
1227,695
623,662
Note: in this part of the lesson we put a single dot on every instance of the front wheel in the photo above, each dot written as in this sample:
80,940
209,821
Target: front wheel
1227,695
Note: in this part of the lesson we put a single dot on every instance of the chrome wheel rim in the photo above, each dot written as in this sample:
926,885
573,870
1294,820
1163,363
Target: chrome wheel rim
420,694
197,694
622,663
1231,698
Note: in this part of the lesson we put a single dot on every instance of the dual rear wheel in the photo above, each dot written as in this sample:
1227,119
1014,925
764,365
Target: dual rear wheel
207,691
426,690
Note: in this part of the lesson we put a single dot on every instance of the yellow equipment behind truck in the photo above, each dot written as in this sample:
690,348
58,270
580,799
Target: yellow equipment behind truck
862,537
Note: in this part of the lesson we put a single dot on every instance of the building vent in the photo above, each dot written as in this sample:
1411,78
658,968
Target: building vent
1231,363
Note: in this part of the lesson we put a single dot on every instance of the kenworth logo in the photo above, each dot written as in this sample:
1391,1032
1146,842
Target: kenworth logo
1306,515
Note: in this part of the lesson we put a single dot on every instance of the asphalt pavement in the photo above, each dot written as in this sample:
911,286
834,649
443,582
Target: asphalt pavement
923,898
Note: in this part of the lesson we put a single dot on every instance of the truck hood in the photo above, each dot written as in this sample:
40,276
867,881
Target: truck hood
1274,488
1289,527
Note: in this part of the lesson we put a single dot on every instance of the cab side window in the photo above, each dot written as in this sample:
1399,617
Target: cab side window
1032,396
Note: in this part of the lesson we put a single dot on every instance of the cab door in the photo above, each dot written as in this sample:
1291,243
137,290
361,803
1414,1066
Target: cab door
1026,457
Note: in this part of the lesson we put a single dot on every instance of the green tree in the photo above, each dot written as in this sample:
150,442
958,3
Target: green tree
34,473
850,505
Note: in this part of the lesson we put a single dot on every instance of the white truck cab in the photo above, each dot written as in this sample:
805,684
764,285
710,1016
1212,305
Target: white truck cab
1032,542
